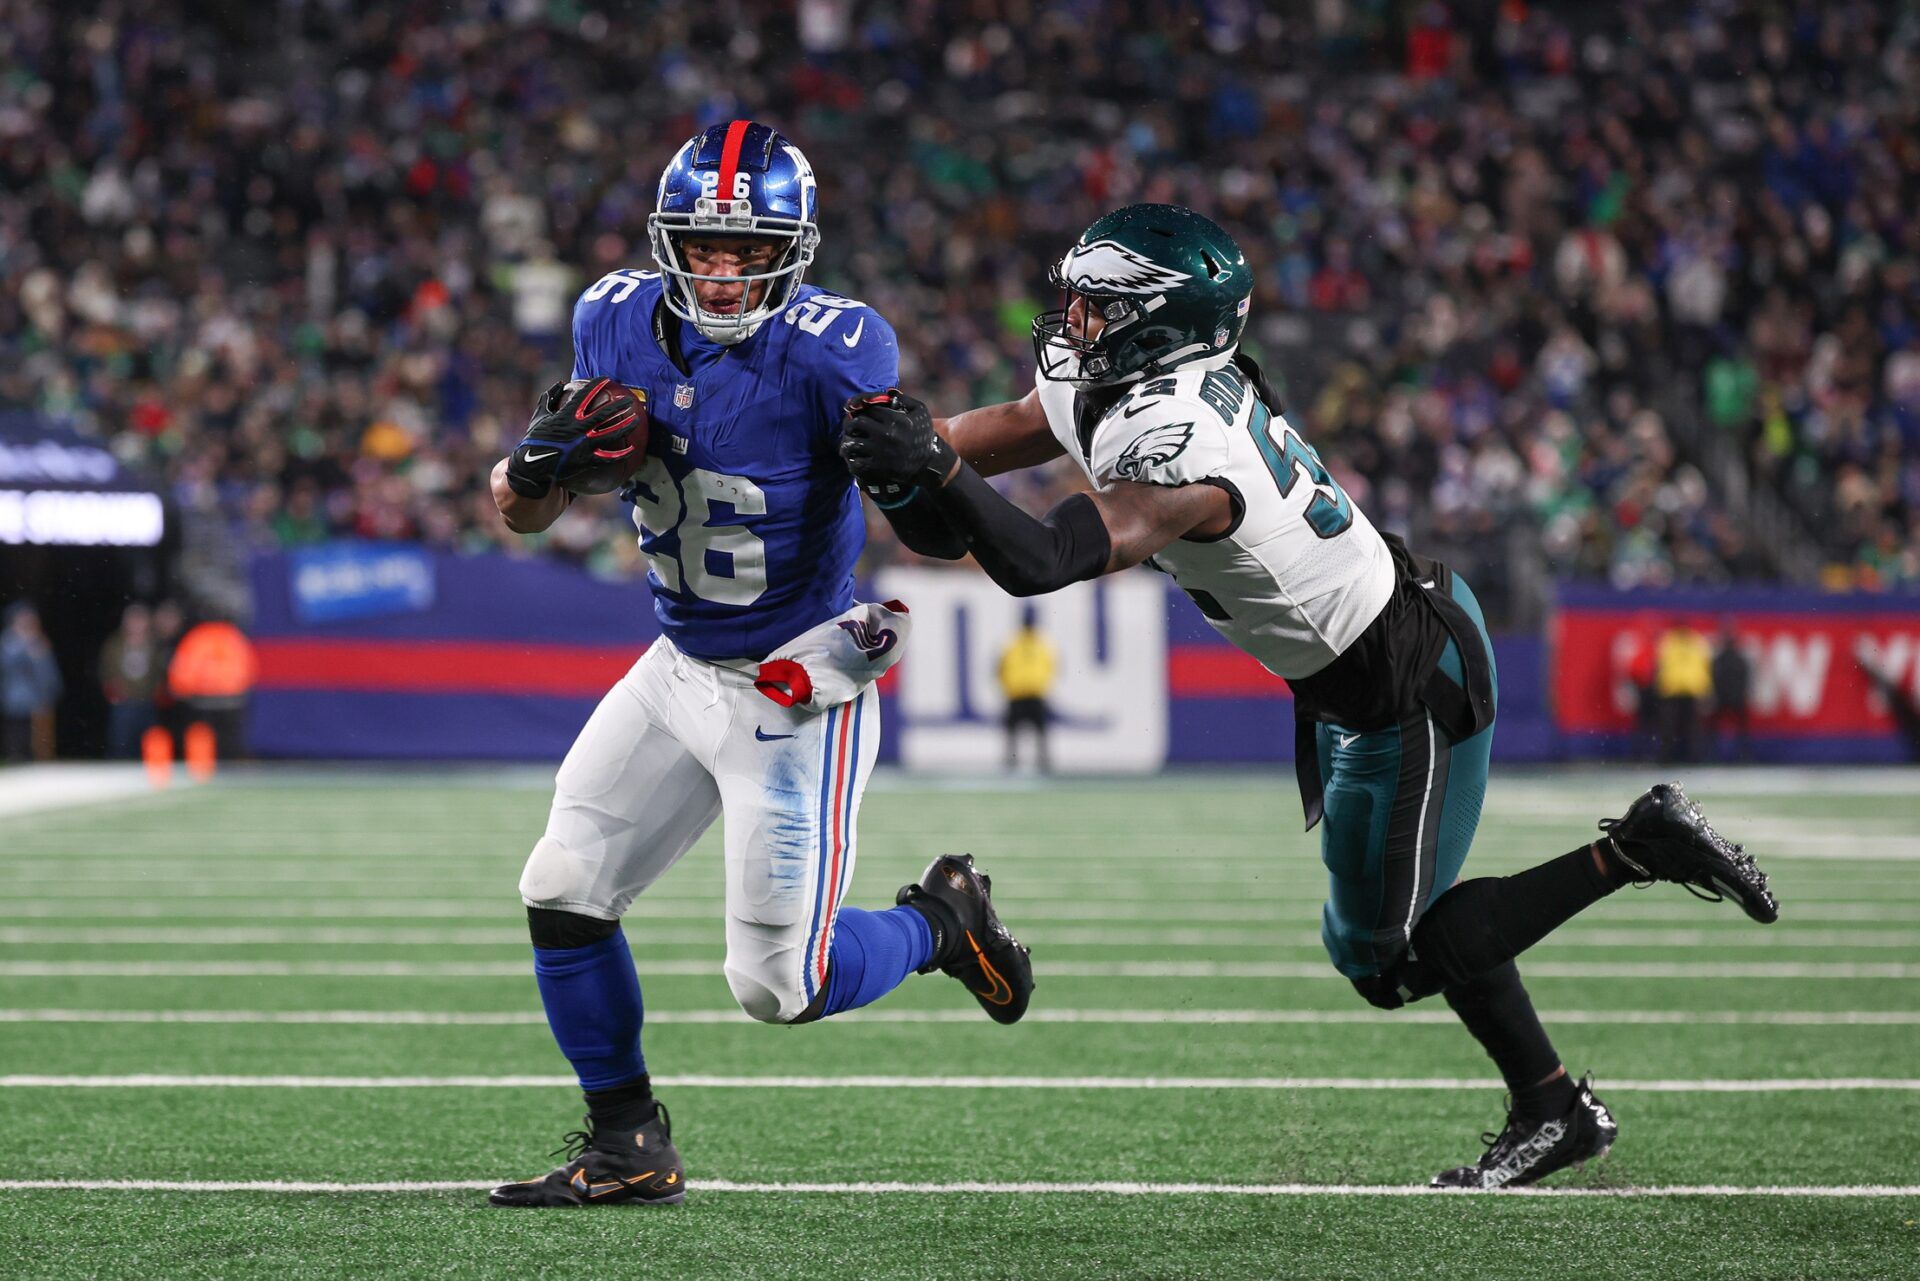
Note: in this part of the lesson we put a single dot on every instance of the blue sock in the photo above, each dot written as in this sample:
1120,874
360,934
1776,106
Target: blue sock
592,997
872,954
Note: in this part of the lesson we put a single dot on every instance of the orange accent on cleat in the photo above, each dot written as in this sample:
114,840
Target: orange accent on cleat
1001,992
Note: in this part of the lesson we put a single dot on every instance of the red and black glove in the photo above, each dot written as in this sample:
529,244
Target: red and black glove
578,429
890,446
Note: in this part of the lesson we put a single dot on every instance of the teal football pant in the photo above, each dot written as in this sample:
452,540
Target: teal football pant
1402,805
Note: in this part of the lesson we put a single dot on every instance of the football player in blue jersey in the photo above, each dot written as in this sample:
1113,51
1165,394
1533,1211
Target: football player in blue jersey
751,526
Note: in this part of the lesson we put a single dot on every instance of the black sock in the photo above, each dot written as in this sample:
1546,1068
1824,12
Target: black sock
623,1107
1546,1101
944,924
1497,1010
1483,923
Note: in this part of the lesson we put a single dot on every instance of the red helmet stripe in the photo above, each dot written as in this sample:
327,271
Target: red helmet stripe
730,158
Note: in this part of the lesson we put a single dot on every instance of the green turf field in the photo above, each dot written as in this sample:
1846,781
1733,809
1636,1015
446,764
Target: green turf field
303,983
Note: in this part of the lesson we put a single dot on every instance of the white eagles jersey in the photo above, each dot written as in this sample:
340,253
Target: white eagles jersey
1301,572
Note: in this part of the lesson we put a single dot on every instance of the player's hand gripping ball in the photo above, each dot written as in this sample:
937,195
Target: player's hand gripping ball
587,436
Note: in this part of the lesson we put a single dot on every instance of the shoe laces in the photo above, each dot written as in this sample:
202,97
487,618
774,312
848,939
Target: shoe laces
575,1143
1500,1144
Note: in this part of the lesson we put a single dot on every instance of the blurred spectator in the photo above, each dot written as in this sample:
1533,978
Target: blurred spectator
1641,669
30,687
211,674
311,264
130,676
1027,666
1683,680
1732,677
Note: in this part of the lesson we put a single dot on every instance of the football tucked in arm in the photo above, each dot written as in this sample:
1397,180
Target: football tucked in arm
587,436
614,443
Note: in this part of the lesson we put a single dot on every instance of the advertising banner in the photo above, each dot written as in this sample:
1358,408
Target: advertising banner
1808,655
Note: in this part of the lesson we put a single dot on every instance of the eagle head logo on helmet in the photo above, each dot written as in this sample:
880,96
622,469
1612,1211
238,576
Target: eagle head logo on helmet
737,180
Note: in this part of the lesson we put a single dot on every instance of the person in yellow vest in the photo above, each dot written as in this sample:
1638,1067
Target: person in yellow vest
1026,677
1683,680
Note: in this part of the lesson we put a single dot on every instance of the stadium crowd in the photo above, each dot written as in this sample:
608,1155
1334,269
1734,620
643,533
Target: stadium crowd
311,261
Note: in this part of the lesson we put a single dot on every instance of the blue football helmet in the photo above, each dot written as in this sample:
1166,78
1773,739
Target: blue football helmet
737,179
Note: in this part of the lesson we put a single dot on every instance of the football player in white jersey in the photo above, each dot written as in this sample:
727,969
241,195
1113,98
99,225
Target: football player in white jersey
1197,473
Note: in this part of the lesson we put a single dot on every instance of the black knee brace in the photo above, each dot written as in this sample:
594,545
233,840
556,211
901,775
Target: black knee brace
556,929
816,1008
1403,981
1458,938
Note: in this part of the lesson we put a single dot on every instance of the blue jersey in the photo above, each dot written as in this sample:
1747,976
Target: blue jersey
749,519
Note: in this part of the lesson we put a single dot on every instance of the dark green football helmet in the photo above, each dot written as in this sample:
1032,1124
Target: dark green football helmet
1171,286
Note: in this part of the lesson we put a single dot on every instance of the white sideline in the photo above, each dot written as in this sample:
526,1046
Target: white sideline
1115,1188
28,789
733,1017
1712,1085
1072,969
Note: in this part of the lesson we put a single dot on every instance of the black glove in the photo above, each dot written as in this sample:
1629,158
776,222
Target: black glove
555,448
890,446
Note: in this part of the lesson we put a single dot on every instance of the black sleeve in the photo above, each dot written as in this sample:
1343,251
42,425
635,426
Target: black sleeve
921,528
1027,557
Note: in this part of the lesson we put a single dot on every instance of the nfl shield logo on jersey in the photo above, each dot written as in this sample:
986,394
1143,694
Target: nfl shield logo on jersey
683,396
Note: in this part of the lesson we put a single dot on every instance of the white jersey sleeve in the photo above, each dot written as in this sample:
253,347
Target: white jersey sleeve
1160,440
1301,572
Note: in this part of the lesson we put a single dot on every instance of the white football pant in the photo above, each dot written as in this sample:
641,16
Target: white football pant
678,742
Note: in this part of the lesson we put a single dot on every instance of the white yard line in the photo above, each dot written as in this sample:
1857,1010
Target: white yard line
1710,1085
1302,970
1191,1017
1108,1188
515,936
655,909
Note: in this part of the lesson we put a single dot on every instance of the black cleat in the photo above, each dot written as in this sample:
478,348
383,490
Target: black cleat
969,942
1665,837
610,1167
1528,1151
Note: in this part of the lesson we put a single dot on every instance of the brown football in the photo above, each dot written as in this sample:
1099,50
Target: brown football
623,444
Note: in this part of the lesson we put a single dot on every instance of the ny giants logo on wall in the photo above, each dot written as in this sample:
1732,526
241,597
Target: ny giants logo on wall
1109,704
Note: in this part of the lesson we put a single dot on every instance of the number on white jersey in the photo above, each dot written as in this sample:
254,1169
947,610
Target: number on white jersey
1330,514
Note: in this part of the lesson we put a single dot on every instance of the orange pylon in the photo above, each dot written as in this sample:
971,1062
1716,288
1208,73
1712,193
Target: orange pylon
156,751
200,751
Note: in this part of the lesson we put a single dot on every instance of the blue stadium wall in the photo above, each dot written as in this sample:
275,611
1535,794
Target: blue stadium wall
387,651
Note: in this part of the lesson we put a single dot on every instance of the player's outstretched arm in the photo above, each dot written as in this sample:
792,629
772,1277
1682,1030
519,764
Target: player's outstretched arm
992,439
894,443
1002,438
1084,536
